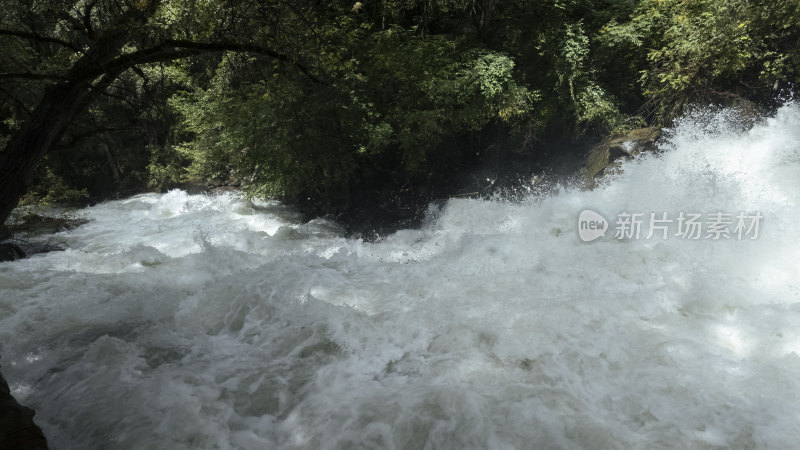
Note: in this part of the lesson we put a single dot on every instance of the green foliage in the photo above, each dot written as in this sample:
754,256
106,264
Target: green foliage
427,90
400,102
52,190
697,48
167,167
414,84
361,99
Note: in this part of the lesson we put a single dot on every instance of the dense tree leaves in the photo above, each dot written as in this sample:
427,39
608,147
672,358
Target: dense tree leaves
337,105
66,54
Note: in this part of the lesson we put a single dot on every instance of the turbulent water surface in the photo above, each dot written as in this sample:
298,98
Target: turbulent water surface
182,321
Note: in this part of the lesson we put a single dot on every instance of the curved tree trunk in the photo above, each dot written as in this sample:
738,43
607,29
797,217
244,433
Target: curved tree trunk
57,108
63,101
90,74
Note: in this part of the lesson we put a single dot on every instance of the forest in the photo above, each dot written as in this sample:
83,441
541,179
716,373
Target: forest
344,107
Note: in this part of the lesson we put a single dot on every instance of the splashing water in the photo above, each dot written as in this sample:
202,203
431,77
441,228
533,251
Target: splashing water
178,322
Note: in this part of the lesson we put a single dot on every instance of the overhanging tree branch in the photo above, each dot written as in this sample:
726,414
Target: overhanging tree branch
202,47
172,49
91,72
31,76
77,138
39,38
87,18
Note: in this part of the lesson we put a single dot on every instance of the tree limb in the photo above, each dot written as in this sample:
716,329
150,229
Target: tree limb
87,18
172,49
31,76
242,47
37,37
76,138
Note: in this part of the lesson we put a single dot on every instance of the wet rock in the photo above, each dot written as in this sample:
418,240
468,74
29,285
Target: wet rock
604,155
17,428
217,189
13,251
747,112
32,223
191,188
10,252
35,249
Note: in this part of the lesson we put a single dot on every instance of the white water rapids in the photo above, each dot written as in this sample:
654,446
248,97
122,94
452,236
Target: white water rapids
182,321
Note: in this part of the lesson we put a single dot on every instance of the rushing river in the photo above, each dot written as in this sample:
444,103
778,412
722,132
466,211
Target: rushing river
181,321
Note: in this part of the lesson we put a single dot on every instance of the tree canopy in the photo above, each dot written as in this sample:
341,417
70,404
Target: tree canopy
337,105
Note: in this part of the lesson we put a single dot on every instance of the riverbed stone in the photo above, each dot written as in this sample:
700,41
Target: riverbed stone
17,428
10,252
605,156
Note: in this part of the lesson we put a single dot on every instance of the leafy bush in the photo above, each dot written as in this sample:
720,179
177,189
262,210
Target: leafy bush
51,190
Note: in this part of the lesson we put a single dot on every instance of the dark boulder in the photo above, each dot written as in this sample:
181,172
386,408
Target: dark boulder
34,224
10,252
17,428
34,249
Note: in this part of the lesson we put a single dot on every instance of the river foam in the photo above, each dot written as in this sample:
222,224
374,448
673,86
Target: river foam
181,321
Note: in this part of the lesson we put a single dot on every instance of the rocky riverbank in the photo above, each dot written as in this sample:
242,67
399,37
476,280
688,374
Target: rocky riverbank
17,428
